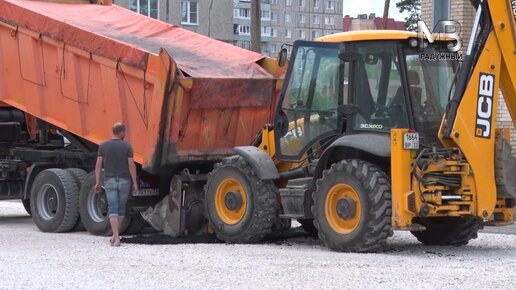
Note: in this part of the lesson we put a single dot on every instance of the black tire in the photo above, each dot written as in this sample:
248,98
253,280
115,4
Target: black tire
261,206
80,176
61,215
93,209
308,226
136,225
447,231
372,227
26,205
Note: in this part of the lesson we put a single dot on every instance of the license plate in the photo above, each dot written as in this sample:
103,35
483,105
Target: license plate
411,141
147,192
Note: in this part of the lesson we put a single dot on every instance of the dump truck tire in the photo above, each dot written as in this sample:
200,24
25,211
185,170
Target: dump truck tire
55,201
80,176
93,209
447,231
240,207
26,205
352,207
308,226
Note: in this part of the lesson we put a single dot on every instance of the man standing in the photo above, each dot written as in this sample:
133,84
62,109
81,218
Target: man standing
116,156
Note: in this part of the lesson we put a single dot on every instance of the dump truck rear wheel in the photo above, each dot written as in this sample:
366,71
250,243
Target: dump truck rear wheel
352,207
447,231
94,210
55,196
80,176
240,206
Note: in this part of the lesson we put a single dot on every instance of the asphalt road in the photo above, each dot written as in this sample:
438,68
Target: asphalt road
30,259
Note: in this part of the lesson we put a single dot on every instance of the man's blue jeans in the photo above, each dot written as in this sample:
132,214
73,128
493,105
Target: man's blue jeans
117,193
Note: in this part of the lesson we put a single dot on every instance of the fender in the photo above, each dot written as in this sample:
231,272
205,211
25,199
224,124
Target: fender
260,161
350,146
33,171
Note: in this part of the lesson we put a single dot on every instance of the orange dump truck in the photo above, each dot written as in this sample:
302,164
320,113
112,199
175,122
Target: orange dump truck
69,71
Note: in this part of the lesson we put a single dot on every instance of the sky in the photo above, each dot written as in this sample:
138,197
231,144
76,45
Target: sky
355,7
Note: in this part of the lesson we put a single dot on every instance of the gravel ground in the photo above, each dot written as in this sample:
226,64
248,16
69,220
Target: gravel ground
30,259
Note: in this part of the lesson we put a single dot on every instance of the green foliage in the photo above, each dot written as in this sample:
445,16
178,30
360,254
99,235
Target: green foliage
414,9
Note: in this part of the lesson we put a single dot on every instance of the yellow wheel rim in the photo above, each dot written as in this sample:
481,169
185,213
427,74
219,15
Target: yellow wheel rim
342,193
230,201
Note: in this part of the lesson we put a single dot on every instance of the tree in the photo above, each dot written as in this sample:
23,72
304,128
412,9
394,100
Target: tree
385,13
413,7
256,26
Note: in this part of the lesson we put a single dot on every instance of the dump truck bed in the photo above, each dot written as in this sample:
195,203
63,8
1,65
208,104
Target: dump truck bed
81,67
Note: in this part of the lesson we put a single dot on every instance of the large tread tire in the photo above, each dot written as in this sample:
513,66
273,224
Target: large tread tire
93,218
26,206
373,189
261,208
447,231
80,176
67,192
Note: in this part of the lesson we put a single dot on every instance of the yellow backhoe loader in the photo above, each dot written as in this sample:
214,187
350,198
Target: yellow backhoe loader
373,134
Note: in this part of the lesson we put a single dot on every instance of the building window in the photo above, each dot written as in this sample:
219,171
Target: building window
288,33
274,2
316,4
274,32
189,12
266,31
330,4
441,11
244,30
235,13
302,34
272,48
274,16
235,29
148,8
329,20
315,34
288,2
288,17
316,19
244,13
266,15
301,3
302,18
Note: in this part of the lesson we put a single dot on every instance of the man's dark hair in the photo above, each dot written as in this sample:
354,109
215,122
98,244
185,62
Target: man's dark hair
118,128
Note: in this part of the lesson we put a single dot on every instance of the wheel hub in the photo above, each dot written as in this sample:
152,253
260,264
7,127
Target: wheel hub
233,200
346,208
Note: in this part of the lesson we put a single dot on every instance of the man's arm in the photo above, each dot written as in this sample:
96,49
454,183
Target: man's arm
98,168
132,171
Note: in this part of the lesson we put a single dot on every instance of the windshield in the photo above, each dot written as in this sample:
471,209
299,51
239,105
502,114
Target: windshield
429,84
377,87
314,92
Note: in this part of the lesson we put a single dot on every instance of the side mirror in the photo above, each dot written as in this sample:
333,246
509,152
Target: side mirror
282,58
371,59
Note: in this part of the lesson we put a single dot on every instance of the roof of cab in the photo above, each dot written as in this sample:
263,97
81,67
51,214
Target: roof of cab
361,35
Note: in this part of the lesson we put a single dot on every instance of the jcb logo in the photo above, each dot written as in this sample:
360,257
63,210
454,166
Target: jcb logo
484,105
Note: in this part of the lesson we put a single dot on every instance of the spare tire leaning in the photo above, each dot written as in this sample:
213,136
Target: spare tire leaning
55,201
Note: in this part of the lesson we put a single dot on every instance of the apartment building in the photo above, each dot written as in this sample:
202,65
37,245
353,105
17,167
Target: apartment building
284,21
369,22
212,18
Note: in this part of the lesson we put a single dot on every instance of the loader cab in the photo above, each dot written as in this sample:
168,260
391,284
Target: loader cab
356,87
